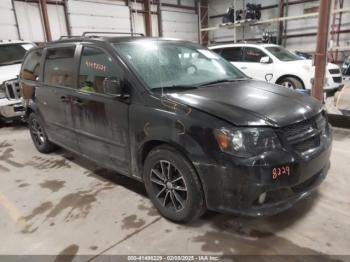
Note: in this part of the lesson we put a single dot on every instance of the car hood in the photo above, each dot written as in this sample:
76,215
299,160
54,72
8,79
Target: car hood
9,72
308,62
250,103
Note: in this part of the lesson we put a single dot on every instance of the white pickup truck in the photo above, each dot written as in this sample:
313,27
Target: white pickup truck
11,57
273,63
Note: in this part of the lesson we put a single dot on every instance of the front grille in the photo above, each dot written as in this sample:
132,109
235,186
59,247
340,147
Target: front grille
307,144
334,71
293,130
12,89
306,134
337,79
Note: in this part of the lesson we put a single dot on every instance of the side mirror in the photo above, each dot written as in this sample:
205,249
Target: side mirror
112,86
265,60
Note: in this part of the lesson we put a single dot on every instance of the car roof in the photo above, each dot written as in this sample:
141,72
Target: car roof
242,44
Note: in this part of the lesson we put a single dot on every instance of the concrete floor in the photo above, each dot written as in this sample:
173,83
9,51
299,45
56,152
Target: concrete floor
62,204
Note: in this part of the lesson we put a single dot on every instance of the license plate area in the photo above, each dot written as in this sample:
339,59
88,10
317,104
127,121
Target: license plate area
281,171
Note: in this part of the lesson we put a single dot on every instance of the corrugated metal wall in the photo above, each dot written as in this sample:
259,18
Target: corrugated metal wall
98,15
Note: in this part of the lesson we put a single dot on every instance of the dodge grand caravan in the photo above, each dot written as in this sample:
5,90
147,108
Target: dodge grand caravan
195,130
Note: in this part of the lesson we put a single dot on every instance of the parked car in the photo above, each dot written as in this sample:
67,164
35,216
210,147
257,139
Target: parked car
194,129
11,57
346,67
303,55
342,100
286,68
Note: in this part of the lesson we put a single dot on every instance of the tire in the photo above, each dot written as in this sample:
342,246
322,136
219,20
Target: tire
178,196
39,136
291,83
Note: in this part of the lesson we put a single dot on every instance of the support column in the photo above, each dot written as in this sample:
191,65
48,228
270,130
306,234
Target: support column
148,17
45,15
321,49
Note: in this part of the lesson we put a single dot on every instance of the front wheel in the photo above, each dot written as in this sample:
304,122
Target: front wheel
291,83
173,185
39,135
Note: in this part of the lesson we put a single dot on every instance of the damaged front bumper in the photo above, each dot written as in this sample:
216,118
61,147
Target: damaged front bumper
247,186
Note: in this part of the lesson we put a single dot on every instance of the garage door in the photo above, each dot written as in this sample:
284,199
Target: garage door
8,27
30,21
180,24
92,16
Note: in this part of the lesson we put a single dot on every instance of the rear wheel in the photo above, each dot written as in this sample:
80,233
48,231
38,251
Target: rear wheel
291,83
173,185
39,135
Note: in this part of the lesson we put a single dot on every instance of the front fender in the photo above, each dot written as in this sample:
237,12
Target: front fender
187,130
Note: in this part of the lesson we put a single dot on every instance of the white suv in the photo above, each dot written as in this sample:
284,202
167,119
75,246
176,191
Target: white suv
11,57
276,64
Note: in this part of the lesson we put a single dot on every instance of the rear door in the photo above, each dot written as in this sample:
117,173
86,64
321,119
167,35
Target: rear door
53,96
100,118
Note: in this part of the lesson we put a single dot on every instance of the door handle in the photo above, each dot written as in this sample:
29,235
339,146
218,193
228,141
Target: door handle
243,67
64,99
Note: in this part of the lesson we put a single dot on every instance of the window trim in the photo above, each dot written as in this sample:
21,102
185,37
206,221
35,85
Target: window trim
65,45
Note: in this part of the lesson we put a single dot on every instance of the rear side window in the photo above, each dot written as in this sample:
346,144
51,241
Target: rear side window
252,54
59,66
32,65
232,54
95,66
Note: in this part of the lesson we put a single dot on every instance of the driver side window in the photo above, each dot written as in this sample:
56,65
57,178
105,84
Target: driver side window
95,66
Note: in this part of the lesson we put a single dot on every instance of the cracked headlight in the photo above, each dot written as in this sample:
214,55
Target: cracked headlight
247,142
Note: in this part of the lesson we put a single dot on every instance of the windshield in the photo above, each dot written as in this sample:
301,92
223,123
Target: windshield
13,53
165,64
283,54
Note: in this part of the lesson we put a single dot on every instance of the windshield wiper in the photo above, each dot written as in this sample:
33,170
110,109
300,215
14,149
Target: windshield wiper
222,81
173,88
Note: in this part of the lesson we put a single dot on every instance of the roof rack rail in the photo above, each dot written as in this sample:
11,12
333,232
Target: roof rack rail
69,36
112,33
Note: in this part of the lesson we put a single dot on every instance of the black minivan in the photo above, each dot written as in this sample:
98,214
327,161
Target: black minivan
194,129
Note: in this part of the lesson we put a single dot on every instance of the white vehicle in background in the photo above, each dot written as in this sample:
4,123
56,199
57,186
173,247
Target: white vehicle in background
273,63
11,57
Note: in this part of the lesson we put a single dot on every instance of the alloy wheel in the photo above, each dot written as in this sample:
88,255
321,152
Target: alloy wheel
37,132
168,185
288,85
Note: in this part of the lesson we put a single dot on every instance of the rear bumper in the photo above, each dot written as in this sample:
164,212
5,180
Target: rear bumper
235,186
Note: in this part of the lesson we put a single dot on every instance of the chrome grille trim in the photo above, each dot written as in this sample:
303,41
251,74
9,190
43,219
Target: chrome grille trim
12,89
334,71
